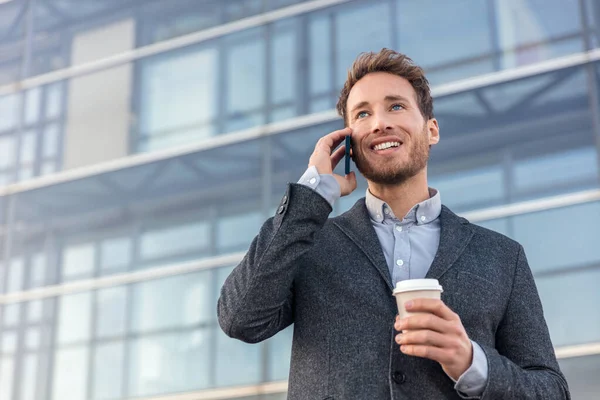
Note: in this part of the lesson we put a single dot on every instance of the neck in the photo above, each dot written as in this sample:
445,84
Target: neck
404,196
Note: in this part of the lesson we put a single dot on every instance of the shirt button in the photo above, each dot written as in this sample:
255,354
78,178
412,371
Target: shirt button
387,211
400,262
423,218
378,217
312,181
399,228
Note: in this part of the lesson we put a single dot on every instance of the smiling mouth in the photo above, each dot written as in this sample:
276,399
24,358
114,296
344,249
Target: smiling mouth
386,145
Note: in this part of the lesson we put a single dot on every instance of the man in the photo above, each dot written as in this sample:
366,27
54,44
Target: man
333,278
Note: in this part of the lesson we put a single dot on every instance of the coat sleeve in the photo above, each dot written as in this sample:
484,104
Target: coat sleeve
257,299
523,364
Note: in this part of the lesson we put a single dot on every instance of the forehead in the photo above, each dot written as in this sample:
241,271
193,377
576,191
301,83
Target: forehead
376,86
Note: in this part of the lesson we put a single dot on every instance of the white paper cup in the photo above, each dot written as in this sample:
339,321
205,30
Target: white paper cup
411,289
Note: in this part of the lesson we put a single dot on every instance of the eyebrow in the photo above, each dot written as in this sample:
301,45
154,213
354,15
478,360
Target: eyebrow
389,97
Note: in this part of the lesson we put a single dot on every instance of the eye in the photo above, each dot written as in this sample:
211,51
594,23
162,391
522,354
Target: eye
397,107
361,114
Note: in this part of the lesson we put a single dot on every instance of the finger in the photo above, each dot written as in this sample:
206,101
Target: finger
430,352
424,337
337,156
432,306
425,321
332,140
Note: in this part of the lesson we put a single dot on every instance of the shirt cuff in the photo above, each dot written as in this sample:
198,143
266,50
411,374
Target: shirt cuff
472,382
324,184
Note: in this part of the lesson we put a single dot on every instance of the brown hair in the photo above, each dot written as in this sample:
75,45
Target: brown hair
394,63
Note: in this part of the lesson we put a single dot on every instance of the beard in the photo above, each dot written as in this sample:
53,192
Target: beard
395,172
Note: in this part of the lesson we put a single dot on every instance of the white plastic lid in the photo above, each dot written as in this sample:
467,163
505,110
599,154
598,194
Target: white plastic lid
410,285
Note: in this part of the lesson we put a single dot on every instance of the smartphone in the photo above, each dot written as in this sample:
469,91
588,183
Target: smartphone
348,146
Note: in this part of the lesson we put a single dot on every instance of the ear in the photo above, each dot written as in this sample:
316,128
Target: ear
433,131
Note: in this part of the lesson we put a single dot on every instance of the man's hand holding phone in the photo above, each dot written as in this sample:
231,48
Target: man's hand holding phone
325,159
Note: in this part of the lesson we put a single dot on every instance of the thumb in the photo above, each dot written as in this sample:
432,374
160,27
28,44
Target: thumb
348,184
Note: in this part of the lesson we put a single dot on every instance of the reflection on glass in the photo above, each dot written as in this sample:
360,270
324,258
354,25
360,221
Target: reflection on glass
169,363
111,311
7,366
238,363
29,376
171,302
236,232
70,374
547,248
280,353
115,253
571,320
78,261
74,313
108,371
169,241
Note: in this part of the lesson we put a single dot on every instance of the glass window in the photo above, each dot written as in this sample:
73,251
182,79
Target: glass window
7,151
74,313
50,139
9,106
284,59
174,240
108,371
33,338
535,30
179,100
500,225
54,100
280,352
235,232
582,376
370,37
238,363
319,36
70,374
29,376
32,105
7,370
9,342
78,261
111,311
35,311
169,363
37,270
11,314
437,43
571,320
544,236
183,301
245,79
15,275
115,254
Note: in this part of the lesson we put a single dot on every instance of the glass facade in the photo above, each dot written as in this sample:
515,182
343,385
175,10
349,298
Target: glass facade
110,273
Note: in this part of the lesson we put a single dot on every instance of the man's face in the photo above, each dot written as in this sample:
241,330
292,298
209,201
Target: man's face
390,137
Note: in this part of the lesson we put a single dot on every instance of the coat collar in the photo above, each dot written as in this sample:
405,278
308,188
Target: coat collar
455,234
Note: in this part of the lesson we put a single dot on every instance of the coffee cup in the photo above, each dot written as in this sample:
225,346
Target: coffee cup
411,289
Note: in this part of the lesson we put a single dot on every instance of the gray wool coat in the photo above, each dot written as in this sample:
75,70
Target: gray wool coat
329,277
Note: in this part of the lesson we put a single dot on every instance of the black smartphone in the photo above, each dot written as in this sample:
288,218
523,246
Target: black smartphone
348,146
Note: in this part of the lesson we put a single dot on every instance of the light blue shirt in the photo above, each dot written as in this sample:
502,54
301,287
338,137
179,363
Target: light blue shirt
409,246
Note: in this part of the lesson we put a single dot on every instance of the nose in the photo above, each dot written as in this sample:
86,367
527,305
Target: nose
381,124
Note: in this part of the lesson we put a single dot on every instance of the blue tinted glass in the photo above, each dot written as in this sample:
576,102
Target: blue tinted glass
111,311
234,233
7,370
74,315
560,238
319,42
582,376
168,363
280,352
108,371
284,61
571,320
237,363
441,44
360,28
70,373
498,225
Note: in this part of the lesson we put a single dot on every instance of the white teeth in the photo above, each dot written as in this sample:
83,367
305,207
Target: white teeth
386,145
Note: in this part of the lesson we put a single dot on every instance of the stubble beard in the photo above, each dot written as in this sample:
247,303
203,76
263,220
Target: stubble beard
396,172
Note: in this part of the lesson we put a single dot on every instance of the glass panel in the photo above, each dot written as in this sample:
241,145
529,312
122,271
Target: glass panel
7,370
459,43
280,352
7,151
9,106
35,311
15,275
32,105
50,139
320,54
284,59
246,78
9,342
115,254
570,320
582,376
370,37
78,261
111,311
183,301
70,374
74,317
169,363
235,233
54,100
238,363
170,241
33,338
28,147
549,248
29,377
179,99
11,313
108,371
37,271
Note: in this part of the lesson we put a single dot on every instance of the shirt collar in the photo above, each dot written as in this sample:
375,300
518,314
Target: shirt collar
422,213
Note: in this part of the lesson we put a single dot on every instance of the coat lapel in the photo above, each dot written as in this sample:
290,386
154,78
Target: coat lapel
454,236
356,224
